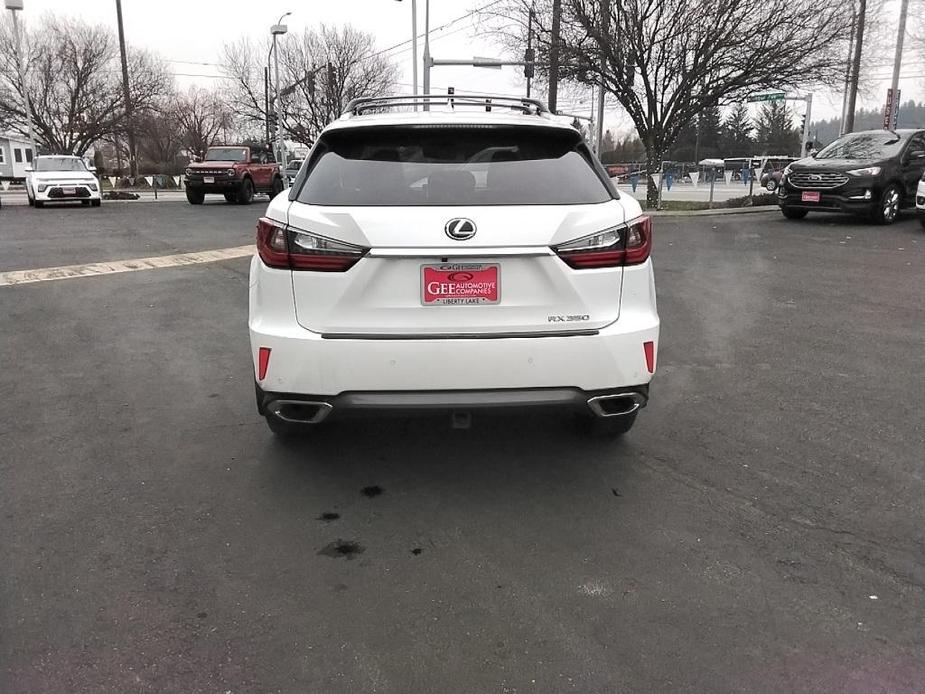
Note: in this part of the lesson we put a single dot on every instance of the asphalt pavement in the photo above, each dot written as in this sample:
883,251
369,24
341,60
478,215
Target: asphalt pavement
760,530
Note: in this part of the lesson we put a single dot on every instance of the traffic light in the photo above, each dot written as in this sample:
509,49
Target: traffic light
529,61
803,123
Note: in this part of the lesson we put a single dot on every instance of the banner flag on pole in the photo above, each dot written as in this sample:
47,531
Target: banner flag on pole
150,180
112,181
5,184
728,175
176,181
695,175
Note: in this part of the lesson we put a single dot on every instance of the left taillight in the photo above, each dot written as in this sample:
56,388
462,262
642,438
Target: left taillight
627,244
293,249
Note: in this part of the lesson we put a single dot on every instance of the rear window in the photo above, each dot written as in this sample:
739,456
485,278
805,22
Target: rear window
454,165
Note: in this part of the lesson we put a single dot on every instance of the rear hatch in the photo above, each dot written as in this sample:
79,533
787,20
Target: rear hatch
457,225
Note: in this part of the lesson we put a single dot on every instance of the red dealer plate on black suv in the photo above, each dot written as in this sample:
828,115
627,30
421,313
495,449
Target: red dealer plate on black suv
460,284
811,196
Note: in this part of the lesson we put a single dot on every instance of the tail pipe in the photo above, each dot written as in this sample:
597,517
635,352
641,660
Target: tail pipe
300,411
617,404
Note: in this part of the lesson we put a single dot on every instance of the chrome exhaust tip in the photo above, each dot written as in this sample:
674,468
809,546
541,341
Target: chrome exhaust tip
300,411
617,404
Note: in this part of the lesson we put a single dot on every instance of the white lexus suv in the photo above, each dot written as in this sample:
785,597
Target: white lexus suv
467,257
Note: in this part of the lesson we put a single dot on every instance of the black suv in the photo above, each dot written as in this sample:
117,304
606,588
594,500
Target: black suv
874,172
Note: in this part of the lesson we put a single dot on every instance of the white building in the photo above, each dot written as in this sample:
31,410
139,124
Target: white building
15,154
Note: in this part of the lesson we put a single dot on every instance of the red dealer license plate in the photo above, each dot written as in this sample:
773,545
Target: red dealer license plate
811,196
460,284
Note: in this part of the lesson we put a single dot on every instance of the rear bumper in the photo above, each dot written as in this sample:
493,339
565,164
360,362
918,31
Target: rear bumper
304,362
313,409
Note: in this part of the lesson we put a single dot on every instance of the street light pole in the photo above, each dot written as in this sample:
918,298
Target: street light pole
278,29
426,51
15,6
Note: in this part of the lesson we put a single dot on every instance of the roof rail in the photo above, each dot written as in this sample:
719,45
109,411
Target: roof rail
357,106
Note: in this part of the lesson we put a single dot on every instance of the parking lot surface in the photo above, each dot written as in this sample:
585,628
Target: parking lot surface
760,530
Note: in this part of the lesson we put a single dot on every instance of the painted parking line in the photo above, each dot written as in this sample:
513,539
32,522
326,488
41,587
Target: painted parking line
65,272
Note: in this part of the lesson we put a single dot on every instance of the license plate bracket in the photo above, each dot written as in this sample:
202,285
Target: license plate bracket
460,284
811,196
69,190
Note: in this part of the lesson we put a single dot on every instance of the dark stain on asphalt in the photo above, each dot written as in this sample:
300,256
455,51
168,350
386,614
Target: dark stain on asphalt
329,516
616,492
370,492
416,551
202,615
342,548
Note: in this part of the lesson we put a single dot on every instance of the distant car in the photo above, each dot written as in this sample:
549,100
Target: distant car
771,179
61,178
292,170
873,172
237,172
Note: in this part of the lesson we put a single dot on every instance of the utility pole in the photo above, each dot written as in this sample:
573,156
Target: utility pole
132,161
15,6
529,44
898,57
605,31
554,55
850,62
856,67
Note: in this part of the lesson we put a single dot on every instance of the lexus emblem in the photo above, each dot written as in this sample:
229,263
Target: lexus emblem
460,229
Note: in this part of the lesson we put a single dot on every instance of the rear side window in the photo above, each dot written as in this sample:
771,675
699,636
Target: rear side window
434,165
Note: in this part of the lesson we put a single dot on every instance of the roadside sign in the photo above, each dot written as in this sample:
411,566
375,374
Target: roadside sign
771,96
896,108
888,110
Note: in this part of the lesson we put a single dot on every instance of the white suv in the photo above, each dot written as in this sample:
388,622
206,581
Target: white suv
61,178
471,256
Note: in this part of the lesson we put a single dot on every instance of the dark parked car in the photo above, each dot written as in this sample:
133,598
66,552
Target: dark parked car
771,179
292,170
874,172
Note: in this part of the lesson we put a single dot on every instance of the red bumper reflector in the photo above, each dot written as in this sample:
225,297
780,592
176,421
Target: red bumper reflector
263,362
649,348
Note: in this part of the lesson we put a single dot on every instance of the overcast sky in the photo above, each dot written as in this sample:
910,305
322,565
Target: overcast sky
190,33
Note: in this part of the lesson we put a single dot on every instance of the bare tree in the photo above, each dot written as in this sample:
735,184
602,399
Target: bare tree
345,64
158,138
319,73
243,63
665,61
73,83
203,117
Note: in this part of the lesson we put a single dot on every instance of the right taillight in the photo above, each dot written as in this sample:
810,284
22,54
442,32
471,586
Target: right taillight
627,244
291,249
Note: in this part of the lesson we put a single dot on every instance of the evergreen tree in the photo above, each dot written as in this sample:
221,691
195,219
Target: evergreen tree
737,137
775,131
711,134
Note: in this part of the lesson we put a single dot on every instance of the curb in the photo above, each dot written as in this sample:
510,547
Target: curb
711,213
